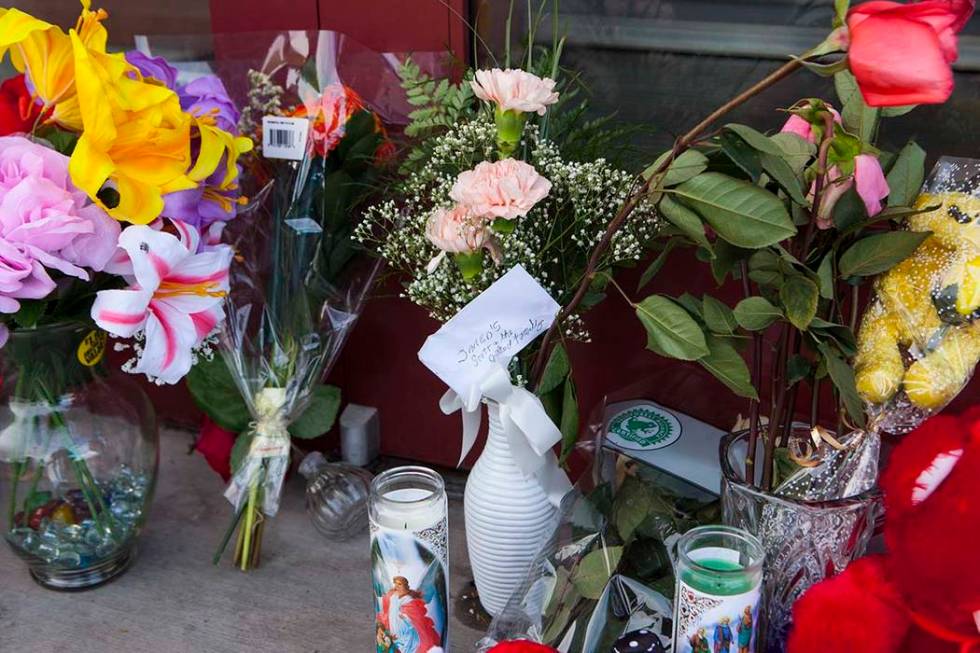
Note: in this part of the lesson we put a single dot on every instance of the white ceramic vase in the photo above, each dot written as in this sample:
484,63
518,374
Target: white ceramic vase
508,518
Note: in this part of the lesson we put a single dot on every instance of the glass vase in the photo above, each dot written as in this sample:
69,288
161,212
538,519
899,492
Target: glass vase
78,457
805,542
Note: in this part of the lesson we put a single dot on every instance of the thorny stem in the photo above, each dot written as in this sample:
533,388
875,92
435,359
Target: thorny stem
680,145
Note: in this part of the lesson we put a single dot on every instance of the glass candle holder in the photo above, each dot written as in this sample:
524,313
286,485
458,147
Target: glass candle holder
719,582
410,560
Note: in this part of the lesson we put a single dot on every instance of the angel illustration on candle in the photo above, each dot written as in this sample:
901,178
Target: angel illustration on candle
410,588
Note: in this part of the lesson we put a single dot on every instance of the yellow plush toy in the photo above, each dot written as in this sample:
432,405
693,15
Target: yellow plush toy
926,311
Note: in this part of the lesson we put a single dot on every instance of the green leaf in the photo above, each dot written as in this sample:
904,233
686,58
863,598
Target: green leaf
684,219
849,213
555,371
880,252
657,264
859,118
842,376
895,112
671,331
215,393
503,226
741,154
797,369
906,175
756,313
755,139
569,418
726,257
799,296
728,367
470,265
688,164
630,507
796,151
240,450
320,413
742,213
825,276
692,305
29,313
719,316
783,174
592,574
841,336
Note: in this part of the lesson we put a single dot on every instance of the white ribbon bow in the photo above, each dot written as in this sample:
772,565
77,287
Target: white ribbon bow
529,431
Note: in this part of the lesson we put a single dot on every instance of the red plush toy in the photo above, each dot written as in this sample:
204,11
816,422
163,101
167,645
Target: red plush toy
923,596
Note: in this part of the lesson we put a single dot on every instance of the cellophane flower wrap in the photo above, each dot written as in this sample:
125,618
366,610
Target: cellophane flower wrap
298,282
919,340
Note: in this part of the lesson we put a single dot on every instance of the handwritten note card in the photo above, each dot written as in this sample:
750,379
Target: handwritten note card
489,330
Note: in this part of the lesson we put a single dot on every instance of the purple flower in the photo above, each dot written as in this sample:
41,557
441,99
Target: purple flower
210,202
45,223
155,67
206,96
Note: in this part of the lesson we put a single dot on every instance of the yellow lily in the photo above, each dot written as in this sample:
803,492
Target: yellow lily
215,142
134,136
45,53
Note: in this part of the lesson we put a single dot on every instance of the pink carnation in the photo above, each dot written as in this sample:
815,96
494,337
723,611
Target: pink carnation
515,90
456,231
45,223
506,189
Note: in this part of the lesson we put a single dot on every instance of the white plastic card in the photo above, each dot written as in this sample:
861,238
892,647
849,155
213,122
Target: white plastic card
488,331
284,138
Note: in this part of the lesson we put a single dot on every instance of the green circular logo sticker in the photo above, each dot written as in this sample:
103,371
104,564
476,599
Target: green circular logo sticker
643,427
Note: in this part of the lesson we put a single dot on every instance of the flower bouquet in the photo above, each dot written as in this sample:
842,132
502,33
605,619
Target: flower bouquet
501,185
111,172
299,282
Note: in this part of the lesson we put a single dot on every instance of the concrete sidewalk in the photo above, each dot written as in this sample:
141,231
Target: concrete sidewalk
309,595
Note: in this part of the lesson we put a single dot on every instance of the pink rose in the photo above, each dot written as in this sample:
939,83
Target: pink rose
45,223
456,231
515,90
802,127
506,189
871,184
901,54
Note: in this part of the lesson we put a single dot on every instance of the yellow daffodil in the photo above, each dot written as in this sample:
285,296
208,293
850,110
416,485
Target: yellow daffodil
134,136
45,53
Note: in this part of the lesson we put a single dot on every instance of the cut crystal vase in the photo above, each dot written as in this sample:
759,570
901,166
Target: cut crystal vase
805,541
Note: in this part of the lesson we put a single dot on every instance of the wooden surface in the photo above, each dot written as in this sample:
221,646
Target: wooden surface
309,595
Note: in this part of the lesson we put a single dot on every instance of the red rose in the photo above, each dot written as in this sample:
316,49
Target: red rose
901,53
521,646
215,444
18,110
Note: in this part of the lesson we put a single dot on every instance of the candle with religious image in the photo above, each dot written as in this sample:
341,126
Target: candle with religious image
410,561
719,583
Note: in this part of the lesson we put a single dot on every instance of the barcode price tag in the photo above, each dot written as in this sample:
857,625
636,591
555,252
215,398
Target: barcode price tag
284,138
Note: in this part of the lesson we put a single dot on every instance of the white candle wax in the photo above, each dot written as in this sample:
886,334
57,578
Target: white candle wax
410,509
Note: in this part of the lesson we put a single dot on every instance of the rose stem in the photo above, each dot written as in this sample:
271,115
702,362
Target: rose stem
680,145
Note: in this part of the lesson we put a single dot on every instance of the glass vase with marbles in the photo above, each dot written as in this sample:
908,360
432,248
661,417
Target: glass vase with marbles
78,447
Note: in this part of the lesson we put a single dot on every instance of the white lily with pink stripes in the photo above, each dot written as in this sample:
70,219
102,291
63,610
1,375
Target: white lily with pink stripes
175,297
